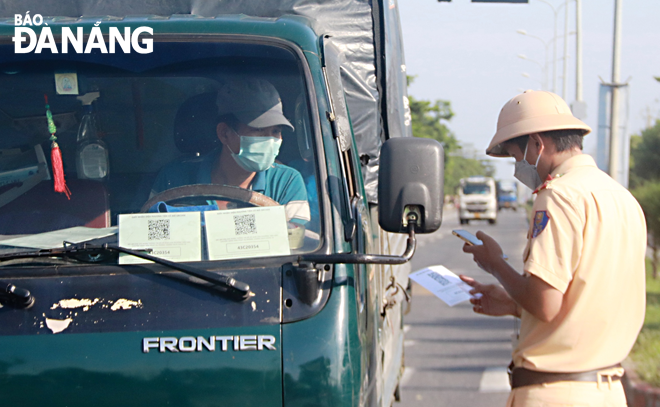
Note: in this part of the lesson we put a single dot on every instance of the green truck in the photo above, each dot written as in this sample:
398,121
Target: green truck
114,291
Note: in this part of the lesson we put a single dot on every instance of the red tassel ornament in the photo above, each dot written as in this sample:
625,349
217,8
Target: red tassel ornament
56,156
58,170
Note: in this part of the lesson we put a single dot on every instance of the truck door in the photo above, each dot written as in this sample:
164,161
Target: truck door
378,288
392,302
357,230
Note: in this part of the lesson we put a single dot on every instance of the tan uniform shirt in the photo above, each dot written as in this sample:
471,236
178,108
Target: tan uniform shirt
587,239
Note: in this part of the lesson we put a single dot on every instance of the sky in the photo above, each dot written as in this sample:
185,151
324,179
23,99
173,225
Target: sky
467,53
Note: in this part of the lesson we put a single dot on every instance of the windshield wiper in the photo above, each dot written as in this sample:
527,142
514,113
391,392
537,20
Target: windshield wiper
233,287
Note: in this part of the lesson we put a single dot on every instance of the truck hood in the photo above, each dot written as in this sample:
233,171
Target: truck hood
136,339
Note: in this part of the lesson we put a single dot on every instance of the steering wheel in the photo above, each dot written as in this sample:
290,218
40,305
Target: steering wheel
210,192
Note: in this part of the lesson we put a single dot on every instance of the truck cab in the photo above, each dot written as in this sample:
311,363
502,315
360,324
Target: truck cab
115,292
477,199
507,195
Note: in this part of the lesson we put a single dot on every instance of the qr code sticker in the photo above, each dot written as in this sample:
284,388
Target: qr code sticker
159,229
245,224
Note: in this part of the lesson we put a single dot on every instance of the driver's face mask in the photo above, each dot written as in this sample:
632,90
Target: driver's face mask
257,153
527,173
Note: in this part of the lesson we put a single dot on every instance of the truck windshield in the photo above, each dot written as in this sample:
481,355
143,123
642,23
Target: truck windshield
196,151
476,189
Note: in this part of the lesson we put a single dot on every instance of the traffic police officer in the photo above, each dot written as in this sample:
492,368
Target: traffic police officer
581,298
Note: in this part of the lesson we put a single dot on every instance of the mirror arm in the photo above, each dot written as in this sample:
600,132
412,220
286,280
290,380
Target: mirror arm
348,258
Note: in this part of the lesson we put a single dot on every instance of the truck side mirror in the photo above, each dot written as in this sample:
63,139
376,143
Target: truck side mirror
410,179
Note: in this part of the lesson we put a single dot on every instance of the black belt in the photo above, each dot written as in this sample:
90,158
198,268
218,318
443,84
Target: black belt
519,376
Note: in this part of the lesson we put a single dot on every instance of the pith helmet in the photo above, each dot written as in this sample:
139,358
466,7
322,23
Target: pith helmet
532,112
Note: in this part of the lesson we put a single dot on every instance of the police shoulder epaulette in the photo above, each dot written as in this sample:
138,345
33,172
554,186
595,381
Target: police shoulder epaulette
547,182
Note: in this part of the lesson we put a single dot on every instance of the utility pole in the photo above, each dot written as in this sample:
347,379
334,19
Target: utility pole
616,77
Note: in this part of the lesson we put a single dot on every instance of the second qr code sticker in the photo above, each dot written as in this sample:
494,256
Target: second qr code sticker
247,232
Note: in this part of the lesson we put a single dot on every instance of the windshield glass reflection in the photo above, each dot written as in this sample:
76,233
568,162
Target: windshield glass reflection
197,151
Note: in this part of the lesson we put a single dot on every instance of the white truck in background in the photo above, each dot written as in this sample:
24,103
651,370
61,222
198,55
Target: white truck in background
477,199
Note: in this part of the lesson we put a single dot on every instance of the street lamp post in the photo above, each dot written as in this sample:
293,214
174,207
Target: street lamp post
544,83
564,81
545,45
578,50
555,11
578,107
616,77
554,47
526,75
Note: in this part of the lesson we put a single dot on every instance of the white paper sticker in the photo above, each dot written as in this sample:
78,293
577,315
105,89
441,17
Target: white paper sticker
175,236
248,232
56,238
66,83
443,284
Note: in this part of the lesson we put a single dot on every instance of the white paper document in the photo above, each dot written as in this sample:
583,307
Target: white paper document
247,232
443,284
56,238
175,236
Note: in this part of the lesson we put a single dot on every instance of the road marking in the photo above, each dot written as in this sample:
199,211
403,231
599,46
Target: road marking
409,342
406,329
405,377
494,380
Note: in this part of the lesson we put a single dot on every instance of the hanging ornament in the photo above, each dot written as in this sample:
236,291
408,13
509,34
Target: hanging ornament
56,156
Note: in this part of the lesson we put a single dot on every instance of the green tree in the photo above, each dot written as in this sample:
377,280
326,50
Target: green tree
645,184
429,118
429,121
645,156
648,196
460,165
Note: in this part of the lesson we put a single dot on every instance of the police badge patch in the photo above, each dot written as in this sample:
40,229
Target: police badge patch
541,219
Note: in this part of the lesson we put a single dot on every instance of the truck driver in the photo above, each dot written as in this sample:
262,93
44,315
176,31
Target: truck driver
250,123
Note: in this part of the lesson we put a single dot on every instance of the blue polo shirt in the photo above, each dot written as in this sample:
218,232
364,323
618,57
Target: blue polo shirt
279,182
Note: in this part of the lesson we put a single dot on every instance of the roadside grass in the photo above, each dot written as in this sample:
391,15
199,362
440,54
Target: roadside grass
646,352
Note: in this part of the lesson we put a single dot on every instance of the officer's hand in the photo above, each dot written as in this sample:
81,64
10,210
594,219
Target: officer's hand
490,299
486,255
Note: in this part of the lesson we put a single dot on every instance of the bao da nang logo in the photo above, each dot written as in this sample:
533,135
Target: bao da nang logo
26,39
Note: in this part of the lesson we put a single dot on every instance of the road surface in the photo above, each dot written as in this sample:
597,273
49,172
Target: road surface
453,356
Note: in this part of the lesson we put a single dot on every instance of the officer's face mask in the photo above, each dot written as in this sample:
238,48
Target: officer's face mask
527,173
257,153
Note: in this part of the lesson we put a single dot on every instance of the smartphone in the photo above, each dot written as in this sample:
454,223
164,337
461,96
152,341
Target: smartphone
466,236
471,239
